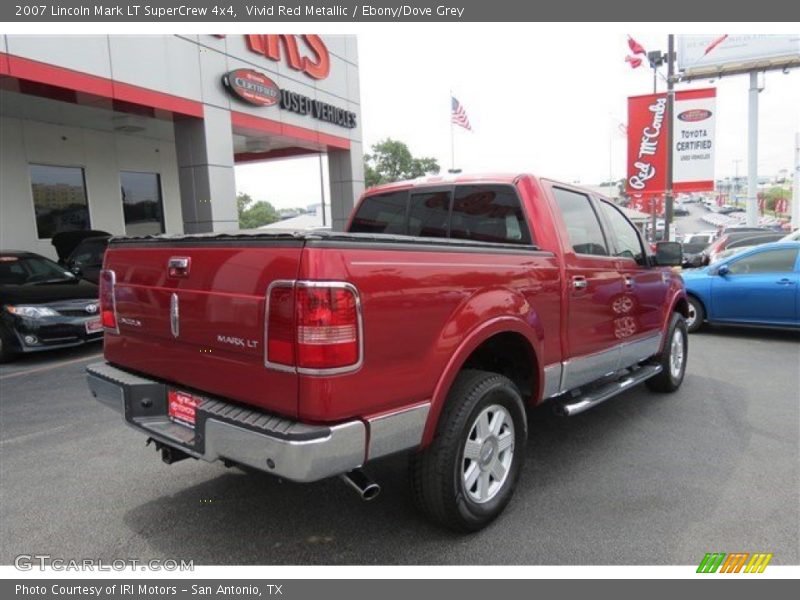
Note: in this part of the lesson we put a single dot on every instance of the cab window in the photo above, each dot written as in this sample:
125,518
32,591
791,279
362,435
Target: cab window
383,213
626,238
583,226
488,213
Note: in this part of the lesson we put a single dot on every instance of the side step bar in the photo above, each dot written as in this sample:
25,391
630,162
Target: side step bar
596,396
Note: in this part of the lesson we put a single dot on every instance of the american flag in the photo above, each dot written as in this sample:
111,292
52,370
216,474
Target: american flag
459,115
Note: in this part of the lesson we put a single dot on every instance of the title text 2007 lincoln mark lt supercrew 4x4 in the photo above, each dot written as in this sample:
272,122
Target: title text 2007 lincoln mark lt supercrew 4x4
448,308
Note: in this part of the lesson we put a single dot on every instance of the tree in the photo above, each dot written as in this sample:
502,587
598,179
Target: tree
391,160
772,196
254,214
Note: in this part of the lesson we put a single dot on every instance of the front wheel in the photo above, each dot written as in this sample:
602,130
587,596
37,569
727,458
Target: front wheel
673,358
697,315
467,476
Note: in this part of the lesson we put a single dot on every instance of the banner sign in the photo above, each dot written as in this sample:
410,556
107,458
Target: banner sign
647,144
693,142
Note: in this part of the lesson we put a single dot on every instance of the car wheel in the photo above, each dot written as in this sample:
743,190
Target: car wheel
673,358
7,352
467,475
697,315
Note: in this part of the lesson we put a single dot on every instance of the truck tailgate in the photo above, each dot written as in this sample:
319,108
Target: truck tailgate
215,346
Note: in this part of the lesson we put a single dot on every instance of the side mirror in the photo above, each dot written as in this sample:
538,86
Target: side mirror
669,254
75,268
723,270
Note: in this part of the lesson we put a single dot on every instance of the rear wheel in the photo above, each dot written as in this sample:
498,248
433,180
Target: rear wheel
467,476
697,315
672,358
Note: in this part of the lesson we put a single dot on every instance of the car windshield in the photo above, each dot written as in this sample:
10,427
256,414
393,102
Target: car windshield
23,270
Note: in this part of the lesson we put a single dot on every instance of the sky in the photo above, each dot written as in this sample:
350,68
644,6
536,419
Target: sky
546,103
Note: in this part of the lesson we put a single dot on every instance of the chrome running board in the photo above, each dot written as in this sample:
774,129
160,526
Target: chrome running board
583,402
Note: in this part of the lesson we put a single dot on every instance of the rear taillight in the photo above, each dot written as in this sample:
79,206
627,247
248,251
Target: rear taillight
108,309
314,327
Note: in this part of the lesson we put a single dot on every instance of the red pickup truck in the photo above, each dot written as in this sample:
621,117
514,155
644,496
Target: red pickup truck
447,310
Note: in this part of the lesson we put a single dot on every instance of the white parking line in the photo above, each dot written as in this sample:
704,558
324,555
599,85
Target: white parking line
51,367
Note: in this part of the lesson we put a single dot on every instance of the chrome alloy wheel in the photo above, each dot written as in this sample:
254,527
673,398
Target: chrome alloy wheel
676,354
488,453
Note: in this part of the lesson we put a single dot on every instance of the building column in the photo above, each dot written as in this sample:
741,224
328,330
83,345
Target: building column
205,162
346,176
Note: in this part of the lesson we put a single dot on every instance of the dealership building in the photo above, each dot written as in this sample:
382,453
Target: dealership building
140,134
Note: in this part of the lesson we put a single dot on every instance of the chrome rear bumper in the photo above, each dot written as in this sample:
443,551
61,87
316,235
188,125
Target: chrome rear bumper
285,448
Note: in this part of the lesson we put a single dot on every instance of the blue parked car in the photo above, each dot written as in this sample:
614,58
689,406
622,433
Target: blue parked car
760,286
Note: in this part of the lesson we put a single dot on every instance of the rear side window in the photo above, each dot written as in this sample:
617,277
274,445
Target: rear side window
384,213
583,226
428,214
486,213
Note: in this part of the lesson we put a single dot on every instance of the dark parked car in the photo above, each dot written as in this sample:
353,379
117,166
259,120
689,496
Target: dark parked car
86,259
43,306
693,254
680,211
66,241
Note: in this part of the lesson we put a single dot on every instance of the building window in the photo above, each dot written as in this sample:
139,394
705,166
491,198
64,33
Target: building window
59,199
141,203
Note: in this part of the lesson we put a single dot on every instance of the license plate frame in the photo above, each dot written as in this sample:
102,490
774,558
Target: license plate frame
94,325
182,407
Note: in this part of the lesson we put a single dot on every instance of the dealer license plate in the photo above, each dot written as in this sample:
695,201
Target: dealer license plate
182,407
93,325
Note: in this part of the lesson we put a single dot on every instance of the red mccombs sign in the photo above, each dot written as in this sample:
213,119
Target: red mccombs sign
692,142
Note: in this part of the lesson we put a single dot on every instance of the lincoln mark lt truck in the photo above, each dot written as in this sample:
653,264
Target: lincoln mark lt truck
447,310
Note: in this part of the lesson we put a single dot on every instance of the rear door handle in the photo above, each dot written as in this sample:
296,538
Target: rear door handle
785,281
579,282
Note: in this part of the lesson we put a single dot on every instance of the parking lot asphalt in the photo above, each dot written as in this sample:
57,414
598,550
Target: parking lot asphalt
642,479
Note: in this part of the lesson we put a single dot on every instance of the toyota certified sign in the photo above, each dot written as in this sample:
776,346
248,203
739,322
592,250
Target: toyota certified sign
252,87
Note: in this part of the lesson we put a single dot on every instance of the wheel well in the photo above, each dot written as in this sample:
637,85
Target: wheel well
694,297
508,354
682,307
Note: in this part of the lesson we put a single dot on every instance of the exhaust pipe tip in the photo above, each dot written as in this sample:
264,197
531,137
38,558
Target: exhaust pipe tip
365,487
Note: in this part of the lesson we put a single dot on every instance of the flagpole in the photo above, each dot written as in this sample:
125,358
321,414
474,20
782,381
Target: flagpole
452,137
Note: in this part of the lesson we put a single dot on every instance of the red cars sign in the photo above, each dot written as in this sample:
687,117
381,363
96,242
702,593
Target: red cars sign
692,142
252,86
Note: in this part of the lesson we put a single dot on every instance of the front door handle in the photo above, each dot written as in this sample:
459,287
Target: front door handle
579,282
785,281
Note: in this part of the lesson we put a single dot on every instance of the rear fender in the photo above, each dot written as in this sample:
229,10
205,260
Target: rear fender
486,315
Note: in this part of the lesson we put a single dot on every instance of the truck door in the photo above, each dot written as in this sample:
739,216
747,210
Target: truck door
642,306
594,284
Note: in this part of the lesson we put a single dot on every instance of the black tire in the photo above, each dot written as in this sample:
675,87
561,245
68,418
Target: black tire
436,472
696,307
669,379
7,352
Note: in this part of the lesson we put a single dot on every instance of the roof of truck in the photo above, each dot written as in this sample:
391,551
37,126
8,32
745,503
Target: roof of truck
447,179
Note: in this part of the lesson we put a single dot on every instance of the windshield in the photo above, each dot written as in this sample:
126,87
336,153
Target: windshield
21,270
